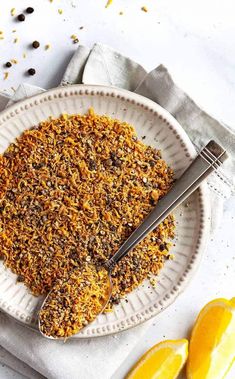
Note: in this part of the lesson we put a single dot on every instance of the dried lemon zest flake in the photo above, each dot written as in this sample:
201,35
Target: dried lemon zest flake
47,46
13,11
6,74
109,2
60,11
144,9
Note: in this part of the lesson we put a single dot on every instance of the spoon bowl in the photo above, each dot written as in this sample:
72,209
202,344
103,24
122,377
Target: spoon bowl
75,301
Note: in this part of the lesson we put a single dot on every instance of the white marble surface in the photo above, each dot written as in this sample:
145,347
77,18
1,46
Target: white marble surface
196,41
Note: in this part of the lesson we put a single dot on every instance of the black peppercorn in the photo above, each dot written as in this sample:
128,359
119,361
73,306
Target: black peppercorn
29,10
162,247
20,278
21,17
31,71
8,64
35,44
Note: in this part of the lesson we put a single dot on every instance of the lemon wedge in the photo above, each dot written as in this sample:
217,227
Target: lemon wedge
162,361
212,344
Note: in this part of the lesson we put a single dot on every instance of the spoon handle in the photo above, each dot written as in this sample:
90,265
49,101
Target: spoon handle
209,159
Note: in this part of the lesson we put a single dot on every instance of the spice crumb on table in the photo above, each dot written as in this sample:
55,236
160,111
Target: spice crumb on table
71,191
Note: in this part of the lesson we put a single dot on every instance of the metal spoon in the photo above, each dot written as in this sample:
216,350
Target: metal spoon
209,159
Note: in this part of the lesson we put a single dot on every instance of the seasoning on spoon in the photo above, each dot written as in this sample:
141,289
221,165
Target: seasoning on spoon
75,302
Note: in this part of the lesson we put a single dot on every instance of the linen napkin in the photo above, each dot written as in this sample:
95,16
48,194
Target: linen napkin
99,358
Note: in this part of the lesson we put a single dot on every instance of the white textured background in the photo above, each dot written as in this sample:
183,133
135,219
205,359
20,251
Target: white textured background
195,39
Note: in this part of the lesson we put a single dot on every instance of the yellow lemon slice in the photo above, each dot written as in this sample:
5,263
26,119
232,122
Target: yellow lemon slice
212,344
162,361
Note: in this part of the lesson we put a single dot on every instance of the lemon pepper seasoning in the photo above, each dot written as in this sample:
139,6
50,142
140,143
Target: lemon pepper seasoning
71,191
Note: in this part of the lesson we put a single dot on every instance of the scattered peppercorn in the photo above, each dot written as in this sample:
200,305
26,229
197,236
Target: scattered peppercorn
21,17
35,44
29,10
8,64
31,71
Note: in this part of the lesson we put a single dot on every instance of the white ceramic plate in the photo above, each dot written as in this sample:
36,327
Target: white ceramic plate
162,131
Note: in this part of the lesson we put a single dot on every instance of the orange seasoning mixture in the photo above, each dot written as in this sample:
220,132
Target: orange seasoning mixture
75,302
71,191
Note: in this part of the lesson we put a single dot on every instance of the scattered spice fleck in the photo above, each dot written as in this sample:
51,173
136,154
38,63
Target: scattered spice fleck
14,61
74,38
24,55
81,27
14,30
29,10
13,11
144,9
60,11
109,2
21,17
6,74
153,282
35,44
121,13
16,40
31,71
47,46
